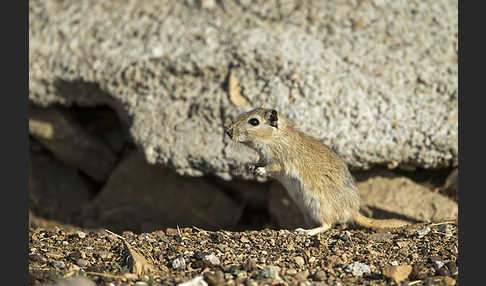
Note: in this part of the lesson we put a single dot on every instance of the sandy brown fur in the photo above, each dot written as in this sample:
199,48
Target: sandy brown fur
316,177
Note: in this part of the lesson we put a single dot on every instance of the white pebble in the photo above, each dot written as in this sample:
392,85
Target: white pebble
358,268
80,234
179,263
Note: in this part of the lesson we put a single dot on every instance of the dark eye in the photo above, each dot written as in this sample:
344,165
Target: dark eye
253,121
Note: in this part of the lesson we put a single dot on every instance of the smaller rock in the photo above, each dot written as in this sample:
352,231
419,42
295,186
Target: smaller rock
80,234
434,258
443,271
302,276
214,278
381,236
358,268
75,281
346,236
179,263
270,271
299,261
250,265
211,259
197,281
208,4
145,235
291,271
59,264
82,262
449,281
422,232
397,272
141,283
446,229
452,268
438,264
320,275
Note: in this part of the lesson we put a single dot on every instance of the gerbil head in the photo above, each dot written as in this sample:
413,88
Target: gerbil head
255,127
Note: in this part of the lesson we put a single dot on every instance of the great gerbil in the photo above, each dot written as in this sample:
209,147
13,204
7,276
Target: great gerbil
315,177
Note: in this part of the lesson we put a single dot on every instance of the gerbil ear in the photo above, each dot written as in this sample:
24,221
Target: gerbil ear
271,117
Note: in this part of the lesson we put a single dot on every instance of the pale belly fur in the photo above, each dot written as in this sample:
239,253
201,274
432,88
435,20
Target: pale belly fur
308,202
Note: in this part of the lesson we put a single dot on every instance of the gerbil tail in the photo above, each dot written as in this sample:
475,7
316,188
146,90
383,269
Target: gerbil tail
378,223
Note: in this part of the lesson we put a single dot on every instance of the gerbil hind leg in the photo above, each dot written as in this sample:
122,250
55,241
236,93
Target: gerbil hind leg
313,231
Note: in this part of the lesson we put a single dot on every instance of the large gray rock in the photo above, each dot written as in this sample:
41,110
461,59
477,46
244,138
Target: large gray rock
375,80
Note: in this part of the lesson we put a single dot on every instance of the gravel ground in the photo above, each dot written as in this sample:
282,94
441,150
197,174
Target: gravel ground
421,254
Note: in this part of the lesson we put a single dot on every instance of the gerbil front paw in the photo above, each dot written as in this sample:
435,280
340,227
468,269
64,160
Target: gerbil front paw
260,171
257,169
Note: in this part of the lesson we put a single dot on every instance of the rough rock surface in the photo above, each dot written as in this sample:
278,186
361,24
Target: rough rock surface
140,196
376,80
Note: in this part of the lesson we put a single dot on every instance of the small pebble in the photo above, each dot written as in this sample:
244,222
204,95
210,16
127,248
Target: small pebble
320,275
214,278
80,234
438,264
212,259
75,281
59,264
291,271
250,265
346,236
179,263
270,271
82,262
299,261
302,276
141,283
449,281
358,268
197,281
145,235
452,267
446,229
422,232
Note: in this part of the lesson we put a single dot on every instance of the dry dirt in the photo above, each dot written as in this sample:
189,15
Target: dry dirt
421,254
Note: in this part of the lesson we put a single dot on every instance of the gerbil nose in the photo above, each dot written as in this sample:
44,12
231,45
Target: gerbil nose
229,132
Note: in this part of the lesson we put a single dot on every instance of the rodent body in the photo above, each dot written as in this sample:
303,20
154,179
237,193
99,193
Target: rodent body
315,177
